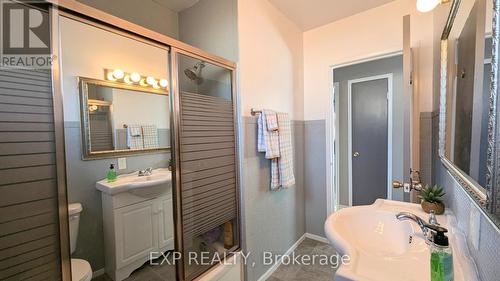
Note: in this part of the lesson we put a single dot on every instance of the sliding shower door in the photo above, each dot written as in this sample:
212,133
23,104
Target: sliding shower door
206,163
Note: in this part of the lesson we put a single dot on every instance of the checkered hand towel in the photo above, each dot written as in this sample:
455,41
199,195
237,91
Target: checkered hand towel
285,162
134,137
150,136
267,141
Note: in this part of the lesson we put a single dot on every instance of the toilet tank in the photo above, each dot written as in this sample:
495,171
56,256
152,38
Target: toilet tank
74,211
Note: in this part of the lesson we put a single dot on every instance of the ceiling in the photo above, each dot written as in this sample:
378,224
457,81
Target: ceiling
308,14
177,5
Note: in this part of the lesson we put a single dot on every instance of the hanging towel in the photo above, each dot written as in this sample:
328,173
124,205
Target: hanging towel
272,122
267,141
285,161
150,136
134,137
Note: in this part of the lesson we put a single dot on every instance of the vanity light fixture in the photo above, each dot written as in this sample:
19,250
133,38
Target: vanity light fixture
93,108
119,75
425,6
150,80
163,83
135,77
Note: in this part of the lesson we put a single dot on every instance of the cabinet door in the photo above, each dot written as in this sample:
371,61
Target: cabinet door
136,232
166,224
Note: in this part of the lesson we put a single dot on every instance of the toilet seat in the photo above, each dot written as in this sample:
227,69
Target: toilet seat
80,270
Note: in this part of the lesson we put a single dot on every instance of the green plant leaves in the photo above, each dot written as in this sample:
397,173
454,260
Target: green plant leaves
432,194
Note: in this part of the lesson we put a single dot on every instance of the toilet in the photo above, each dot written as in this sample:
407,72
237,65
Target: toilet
80,269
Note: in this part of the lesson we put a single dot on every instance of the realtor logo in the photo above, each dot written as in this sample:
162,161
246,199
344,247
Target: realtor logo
25,35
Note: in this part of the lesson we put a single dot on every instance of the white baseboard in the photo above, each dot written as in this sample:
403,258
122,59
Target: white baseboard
98,272
275,266
317,238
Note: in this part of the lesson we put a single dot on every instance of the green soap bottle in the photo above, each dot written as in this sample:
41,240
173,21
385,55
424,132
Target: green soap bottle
441,258
111,176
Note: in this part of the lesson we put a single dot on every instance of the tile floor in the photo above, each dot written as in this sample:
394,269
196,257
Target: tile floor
147,272
289,272
315,272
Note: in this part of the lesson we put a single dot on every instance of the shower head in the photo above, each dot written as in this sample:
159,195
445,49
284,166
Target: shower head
194,73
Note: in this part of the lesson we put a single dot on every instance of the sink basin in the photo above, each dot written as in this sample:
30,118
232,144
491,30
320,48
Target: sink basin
381,247
144,185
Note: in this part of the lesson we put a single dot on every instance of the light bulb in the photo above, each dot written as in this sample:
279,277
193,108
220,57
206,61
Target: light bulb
425,6
155,85
163,82
127,79
150,80
118,73
110,76
135,77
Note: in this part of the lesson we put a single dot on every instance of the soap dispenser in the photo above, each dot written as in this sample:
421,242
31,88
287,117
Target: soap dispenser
111,176
441,256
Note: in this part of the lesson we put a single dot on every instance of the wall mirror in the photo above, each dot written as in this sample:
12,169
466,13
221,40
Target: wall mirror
468,100
119,119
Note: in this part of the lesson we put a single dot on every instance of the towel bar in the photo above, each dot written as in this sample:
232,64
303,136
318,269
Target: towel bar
253,111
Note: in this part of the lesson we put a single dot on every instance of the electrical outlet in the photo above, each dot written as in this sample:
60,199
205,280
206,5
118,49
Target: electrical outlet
474,226
122,163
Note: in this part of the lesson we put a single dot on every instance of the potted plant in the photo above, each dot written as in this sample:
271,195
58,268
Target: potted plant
432,199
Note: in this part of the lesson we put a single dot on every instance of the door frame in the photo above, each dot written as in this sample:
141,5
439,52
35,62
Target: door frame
389,77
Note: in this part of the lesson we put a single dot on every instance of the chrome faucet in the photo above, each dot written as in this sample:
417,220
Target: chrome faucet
426,227
146,172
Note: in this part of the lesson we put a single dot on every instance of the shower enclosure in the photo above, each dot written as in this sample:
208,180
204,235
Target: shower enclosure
206,161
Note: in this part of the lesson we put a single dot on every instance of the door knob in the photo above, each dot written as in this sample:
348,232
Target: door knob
355,154
397,184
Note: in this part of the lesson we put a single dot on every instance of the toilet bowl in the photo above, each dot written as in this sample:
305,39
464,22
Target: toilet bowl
80,269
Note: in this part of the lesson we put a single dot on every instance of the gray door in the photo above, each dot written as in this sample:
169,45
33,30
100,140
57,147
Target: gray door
369,141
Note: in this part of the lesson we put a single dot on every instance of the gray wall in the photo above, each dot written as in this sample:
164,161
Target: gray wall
426,147
147,13
487,256
315,176
211,25
392,65
272,221
81,179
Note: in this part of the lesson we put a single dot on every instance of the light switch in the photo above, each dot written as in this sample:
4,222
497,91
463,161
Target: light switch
122,163
474,226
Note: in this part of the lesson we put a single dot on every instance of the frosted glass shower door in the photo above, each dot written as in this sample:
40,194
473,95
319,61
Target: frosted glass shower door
207,175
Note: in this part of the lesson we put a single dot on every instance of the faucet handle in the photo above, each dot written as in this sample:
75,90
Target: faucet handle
432,218
437,228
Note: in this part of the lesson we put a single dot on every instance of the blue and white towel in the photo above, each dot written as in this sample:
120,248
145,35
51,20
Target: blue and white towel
268,140
275,139
285,161
134,137
150,136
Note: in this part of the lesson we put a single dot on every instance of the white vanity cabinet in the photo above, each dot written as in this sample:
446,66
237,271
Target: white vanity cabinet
136,226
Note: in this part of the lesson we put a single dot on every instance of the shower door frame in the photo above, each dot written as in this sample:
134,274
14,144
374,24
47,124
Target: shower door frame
176,124
89,15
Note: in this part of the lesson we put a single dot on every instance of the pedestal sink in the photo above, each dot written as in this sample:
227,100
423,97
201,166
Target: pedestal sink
383,248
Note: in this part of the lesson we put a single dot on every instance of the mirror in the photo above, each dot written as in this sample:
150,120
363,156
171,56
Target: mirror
122,119
467,90
121,219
